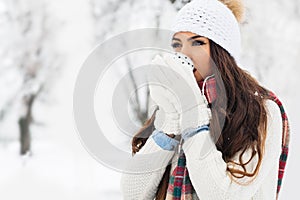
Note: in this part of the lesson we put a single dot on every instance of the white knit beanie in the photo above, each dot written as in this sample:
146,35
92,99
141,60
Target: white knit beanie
211,19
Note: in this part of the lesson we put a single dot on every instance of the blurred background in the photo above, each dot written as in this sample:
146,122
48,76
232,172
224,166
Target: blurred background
42,47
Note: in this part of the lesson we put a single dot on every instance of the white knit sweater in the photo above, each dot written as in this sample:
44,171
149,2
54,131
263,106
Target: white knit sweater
208,173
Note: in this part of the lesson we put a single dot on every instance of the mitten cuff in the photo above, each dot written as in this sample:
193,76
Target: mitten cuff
164,141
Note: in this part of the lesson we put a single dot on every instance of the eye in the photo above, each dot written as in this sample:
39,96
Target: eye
176,45
198,43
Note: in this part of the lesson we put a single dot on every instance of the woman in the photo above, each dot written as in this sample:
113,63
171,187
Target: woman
244,130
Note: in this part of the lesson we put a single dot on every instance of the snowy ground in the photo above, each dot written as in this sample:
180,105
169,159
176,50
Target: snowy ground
56,171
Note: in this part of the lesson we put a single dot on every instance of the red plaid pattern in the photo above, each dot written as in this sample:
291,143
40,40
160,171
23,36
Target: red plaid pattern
180,186
209,89
285,140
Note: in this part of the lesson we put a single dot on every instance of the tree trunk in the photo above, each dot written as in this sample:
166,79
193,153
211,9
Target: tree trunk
24,125
24,135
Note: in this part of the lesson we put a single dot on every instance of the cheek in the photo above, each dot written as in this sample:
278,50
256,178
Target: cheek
202,64
198,76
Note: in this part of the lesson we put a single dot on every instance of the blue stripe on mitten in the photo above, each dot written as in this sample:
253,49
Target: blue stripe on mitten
164,141
193,131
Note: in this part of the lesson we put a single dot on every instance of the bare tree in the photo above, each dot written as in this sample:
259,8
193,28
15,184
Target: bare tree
32,59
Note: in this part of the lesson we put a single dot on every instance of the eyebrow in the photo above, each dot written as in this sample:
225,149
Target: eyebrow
191,38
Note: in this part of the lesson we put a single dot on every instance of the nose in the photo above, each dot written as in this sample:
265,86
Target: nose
185,49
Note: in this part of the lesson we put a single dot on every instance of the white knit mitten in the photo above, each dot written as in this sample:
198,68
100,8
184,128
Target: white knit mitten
160,85
194,105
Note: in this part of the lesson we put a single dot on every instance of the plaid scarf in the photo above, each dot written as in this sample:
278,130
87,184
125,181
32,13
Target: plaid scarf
285,140
180,186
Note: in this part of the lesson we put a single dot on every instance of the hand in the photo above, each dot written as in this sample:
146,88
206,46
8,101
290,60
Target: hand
160,84
194,106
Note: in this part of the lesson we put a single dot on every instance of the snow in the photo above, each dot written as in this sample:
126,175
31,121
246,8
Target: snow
60,167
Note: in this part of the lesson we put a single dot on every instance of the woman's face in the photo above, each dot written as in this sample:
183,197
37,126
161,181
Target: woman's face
197,48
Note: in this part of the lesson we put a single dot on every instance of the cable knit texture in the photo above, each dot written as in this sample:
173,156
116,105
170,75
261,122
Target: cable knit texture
207,169
144,186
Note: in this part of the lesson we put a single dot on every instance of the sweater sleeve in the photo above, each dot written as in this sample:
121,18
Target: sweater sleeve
208,172
149,164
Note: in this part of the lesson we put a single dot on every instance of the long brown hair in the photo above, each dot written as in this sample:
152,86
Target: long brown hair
245,120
